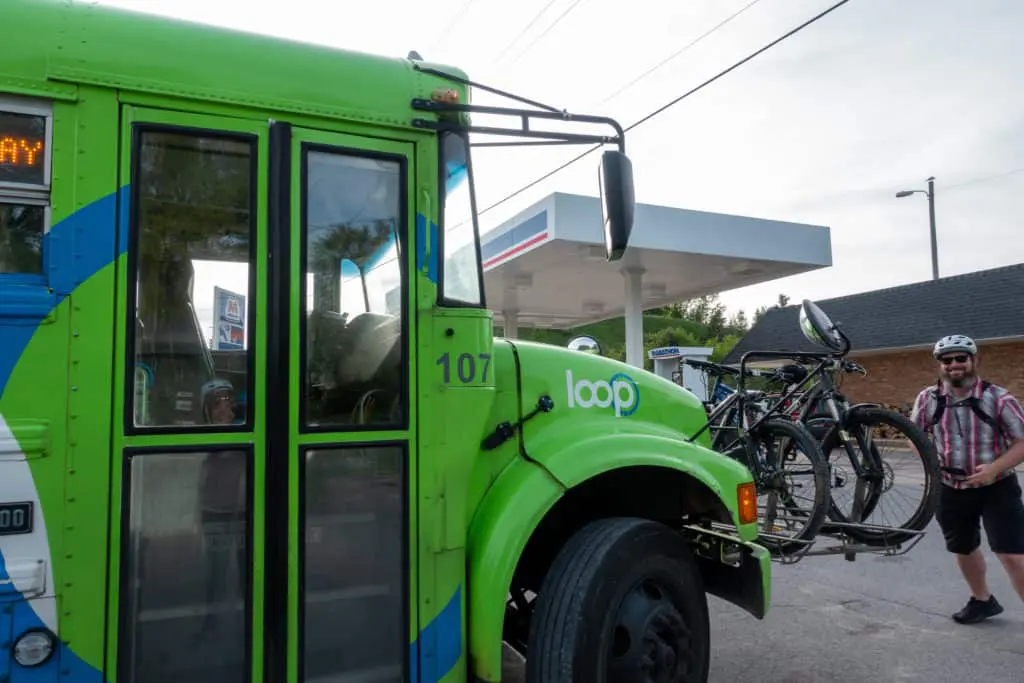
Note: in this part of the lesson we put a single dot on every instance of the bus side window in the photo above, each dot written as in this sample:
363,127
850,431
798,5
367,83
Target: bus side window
194,219
25,134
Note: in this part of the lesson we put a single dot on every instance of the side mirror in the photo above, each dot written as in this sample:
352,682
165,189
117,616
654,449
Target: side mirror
617,202
819,329
585,345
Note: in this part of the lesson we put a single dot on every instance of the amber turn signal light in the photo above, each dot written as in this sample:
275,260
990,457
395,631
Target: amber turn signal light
746,498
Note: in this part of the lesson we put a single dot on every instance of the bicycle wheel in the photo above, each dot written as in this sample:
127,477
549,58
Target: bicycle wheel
883,483
778,443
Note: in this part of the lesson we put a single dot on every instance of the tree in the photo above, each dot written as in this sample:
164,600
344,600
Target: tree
738,324
716,323
759,313
669,336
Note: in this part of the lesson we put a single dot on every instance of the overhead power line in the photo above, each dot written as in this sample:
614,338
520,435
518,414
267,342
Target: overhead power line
678,52
672,103
983,179
522,33
550,26
451,25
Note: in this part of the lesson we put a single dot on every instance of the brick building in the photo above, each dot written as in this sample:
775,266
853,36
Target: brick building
892,332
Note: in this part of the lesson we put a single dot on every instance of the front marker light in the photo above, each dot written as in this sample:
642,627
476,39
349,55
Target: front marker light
33,648
746,498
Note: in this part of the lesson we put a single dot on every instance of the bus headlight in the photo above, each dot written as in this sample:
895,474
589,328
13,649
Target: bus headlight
33,648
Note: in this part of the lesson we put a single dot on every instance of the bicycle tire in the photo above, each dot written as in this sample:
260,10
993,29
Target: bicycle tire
923,516
801,438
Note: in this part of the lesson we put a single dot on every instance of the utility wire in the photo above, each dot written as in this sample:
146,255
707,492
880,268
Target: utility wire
984,179
522,33
677,100
548,29
678,52
451,24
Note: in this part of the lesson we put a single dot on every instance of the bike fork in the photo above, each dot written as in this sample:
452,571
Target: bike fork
865,471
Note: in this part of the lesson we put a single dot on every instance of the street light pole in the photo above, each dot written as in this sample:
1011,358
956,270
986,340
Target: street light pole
931,223
930,193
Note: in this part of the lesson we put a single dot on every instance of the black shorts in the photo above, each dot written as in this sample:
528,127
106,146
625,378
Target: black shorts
999,505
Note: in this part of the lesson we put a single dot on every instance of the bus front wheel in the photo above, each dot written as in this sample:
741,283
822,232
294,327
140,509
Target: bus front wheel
623,602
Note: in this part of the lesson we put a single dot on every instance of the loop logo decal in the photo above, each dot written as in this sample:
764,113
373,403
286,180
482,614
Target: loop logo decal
620,393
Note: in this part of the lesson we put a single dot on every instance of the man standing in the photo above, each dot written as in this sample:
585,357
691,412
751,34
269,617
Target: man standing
978,429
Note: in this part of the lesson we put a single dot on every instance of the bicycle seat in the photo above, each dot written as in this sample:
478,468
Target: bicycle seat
712,368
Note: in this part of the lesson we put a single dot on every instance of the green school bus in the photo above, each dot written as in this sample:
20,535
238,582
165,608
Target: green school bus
254,421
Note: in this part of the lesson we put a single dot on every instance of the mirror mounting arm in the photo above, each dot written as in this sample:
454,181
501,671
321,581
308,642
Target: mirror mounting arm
525,115
615,172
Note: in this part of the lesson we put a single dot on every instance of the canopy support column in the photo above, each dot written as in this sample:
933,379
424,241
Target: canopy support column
510,323
634,316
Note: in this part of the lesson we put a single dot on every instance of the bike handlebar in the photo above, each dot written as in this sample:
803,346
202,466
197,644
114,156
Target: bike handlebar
853,366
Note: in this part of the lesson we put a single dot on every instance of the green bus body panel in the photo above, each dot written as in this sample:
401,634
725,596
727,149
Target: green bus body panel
74,42
567,447
659,405
57,398
602,401
499,531
489,465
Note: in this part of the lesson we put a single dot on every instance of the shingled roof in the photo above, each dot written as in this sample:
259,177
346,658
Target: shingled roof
985,304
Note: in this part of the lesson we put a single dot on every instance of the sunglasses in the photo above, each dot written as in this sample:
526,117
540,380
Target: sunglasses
948,360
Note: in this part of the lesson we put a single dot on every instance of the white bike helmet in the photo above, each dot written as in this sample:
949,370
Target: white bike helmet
955,342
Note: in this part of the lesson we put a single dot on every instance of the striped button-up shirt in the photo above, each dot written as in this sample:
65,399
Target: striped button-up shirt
962,439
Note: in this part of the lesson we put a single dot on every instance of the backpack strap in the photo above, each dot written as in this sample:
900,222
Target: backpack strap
982,415
973,402
940,403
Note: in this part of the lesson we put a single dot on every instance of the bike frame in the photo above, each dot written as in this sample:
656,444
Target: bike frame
870,468
735,402
823,389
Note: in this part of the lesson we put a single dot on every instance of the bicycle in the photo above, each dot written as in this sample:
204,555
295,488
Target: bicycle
764,444
836,423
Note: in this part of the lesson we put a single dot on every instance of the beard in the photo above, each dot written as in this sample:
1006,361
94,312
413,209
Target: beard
961,380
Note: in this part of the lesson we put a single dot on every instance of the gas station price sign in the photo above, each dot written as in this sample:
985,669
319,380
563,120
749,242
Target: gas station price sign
22,149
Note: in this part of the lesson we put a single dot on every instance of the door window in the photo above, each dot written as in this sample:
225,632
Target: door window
354,618
192,234
354,316
187,567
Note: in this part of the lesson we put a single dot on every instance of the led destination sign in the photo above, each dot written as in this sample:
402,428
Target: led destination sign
22,148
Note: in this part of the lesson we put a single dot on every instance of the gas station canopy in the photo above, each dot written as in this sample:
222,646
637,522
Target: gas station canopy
546,266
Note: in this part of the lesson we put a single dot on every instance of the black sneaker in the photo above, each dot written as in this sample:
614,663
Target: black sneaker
978,610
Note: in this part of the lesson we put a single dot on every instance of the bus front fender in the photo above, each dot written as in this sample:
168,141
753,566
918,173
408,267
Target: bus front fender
528,489
573,458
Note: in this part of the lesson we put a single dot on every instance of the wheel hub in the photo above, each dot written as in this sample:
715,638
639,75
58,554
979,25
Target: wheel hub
650,639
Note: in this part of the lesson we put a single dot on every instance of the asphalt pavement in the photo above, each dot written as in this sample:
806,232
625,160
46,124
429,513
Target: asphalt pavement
878,619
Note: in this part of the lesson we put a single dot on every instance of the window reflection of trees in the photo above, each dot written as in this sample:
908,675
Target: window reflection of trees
354,273
193,198
21,239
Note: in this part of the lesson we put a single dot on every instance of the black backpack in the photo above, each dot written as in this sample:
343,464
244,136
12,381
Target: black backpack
973,402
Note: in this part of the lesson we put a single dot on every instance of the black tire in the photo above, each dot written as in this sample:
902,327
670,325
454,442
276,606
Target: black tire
619,589
814,515
925,512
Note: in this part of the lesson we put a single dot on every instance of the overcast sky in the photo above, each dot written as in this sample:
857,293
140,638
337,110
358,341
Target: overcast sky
823,129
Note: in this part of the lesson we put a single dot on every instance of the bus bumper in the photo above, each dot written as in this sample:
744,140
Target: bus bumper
734,570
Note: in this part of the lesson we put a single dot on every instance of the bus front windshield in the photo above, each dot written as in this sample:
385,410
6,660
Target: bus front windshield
461,276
